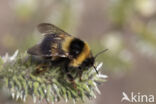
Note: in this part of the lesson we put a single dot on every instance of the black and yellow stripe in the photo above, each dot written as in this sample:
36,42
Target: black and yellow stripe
76,48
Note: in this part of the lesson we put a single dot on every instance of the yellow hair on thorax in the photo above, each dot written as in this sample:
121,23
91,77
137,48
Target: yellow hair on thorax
66,43
82,56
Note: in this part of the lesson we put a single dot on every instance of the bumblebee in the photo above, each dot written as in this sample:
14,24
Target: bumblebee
59,47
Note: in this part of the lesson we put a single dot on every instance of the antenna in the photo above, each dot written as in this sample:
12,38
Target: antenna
100,52
95,69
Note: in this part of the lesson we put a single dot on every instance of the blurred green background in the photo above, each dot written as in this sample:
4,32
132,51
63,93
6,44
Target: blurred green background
126,27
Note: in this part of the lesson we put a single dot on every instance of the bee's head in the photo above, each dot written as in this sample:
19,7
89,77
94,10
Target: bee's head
89,62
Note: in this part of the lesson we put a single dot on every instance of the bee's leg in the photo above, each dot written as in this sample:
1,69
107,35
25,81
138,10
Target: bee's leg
41,68
79,74
70,77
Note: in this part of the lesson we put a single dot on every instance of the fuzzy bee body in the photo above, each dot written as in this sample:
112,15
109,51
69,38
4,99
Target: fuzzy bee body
58,46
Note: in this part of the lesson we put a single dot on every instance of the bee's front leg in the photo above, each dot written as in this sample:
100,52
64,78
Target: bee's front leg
79,74
71,79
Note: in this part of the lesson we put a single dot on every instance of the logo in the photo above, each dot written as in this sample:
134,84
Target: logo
137,97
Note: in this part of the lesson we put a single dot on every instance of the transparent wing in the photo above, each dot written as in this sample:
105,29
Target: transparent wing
50,28
50,45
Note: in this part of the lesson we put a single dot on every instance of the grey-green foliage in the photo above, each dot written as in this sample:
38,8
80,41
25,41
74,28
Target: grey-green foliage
17,75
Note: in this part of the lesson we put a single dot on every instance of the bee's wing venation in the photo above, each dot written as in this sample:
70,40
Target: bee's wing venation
35,50
49,47
53,36
50,28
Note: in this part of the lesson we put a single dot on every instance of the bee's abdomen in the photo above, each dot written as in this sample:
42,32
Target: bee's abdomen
46,44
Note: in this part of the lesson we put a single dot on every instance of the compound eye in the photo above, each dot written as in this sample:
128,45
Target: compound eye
87,62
